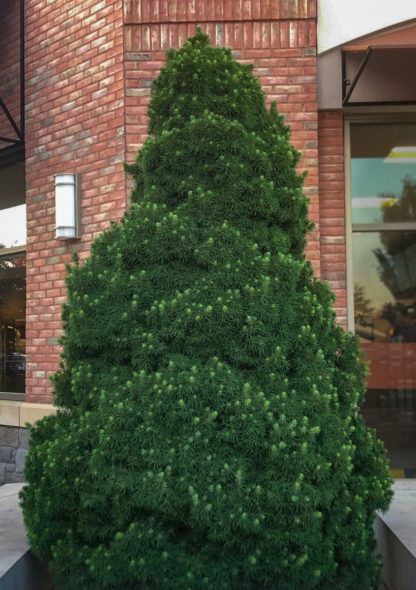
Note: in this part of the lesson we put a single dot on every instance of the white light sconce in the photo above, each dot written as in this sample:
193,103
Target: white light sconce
67,207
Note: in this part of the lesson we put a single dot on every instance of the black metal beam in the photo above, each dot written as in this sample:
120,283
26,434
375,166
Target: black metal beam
10,118
9,140
344,82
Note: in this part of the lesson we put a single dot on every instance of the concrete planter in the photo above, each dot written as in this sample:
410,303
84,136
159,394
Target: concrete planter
396,538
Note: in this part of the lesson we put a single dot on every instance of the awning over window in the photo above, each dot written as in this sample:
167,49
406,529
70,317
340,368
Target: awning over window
375,71
12,76
379,75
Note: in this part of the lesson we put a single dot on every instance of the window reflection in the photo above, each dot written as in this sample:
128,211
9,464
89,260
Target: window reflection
383,173
385,286
385,202
12,323
383,186
13,226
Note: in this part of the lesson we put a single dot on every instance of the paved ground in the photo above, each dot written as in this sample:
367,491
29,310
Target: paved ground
12,533
19,569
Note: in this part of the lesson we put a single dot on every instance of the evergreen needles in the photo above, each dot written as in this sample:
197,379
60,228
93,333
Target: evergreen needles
208,433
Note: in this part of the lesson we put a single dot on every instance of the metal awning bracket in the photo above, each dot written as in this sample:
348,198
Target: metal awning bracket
346,95
12,122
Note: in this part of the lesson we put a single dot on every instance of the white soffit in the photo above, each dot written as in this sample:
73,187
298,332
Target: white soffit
340,21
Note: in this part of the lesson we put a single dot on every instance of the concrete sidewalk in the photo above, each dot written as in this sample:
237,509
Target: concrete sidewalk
19,569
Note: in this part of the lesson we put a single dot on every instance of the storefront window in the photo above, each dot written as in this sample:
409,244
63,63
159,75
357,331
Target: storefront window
12,281
383,187
12,323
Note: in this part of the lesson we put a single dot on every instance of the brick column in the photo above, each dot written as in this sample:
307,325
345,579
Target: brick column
332,207
74,123
277,36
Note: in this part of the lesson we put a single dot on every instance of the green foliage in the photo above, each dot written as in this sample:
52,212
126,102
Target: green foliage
208,434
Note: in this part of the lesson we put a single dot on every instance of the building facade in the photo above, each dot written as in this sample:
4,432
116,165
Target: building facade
75,82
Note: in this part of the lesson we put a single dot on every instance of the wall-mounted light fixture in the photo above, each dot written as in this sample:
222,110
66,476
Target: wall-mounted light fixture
67,206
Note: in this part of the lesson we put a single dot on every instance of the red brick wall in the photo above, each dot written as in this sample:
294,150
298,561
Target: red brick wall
332,207
74,123
9,66
150,11
277,36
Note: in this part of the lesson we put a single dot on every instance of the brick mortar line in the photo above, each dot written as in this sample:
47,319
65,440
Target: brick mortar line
221,21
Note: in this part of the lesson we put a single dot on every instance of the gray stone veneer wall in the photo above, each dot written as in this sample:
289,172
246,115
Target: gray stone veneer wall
14,444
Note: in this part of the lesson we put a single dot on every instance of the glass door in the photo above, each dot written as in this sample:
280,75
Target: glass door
383,209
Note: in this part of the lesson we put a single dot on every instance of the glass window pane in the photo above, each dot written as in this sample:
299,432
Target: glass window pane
384,272
383,173
12,206
12,323
392,412
13,226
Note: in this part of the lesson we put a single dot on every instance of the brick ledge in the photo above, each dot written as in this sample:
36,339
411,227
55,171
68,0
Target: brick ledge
19,414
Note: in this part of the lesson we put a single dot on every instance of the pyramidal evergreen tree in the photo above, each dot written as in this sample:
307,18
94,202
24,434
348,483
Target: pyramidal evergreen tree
208,433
